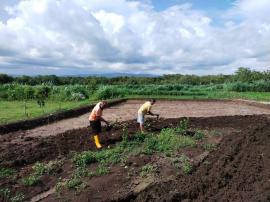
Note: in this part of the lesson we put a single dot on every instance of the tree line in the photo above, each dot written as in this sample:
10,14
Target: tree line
241,75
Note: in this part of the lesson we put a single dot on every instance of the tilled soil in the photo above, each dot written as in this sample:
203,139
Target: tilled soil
128,111
28,150
238,170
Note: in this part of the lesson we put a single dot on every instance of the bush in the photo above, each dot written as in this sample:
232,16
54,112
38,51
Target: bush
256,86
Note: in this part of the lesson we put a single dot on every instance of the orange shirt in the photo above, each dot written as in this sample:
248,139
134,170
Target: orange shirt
96,113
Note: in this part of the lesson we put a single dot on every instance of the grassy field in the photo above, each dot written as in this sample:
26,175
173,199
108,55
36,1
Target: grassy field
15,110
258,96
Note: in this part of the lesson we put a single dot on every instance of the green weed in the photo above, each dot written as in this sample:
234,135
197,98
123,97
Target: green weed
147,169
19,197
183,126
6,172
5,193
199,135
186,164
209,146
31,180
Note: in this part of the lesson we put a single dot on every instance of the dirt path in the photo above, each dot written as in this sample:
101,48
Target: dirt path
167,109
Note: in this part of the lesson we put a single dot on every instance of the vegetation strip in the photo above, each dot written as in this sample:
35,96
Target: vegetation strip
32,123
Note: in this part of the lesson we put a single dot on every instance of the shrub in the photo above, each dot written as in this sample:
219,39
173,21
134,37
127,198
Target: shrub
109,92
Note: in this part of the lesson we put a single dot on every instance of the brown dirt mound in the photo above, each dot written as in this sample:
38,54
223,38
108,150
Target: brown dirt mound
237,171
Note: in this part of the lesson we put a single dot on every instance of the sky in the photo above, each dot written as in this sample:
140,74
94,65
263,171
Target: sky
69,37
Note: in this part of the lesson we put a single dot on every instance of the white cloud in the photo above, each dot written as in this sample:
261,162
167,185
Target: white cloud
130,36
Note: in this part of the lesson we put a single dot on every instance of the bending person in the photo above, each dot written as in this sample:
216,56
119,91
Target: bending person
145,109
95,119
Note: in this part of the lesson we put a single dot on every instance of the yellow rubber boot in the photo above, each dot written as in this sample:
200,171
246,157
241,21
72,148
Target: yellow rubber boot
97,142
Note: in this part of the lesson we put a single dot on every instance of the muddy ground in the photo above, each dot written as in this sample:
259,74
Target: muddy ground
237,170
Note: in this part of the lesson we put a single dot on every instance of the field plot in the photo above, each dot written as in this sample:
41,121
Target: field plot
221,152
167,109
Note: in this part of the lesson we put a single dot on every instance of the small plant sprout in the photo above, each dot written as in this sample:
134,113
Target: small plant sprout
209,146
183,126
186,164
6,172
147,170
31,180
199,135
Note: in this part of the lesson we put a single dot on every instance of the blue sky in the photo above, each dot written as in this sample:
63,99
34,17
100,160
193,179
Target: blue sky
153,37
205,5
211,8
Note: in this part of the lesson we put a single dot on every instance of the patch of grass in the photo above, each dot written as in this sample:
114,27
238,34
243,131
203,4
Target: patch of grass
74,182
215,133
101,170
209,146
150,144
6,172
199,135
40,169
167,142
113,155
84,158
6,194
110,156
19,197
14,110
139,137
106,156
183,126
186,164
31,180
147,170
